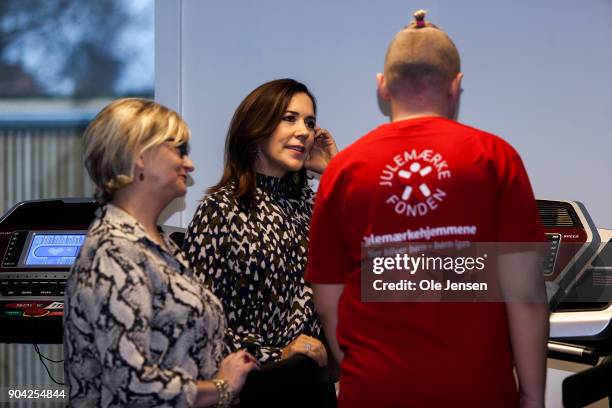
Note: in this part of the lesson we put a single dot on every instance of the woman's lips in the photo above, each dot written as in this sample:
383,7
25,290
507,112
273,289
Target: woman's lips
299,149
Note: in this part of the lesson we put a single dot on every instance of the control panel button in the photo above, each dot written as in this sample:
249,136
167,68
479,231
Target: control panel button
14,248
8,288
32,287
13,313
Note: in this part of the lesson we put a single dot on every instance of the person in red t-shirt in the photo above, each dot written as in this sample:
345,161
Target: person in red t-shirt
425,177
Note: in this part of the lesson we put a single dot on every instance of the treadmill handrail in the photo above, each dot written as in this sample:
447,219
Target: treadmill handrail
588,386
572,352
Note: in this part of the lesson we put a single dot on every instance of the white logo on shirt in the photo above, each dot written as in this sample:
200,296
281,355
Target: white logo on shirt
412,176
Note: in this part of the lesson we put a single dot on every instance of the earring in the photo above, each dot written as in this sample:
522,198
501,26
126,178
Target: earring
141,177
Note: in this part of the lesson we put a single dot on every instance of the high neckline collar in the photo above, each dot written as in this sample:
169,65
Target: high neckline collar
276,186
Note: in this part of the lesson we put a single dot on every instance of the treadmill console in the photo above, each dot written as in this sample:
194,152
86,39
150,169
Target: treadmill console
39,242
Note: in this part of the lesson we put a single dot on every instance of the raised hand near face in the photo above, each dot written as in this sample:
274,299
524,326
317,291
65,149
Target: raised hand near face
323,150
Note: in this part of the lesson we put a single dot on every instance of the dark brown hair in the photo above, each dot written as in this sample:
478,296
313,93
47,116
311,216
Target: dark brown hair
253,122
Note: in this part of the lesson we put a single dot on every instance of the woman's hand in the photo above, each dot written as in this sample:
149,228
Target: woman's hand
323,150
308,346
234,369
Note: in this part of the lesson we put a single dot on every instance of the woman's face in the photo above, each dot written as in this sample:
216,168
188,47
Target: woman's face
165,169
290,143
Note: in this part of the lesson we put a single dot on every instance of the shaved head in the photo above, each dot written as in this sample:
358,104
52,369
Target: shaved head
421,58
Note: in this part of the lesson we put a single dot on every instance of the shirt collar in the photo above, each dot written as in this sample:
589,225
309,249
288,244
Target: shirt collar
129,228
275,186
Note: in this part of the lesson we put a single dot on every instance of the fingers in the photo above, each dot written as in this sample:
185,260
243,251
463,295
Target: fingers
303,337
322,134
308,346
324,139
321,151
250,366
245,357
318,350
235,367
239,360
248,357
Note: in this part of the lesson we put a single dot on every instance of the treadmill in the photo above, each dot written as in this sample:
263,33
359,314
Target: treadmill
39,242
579,287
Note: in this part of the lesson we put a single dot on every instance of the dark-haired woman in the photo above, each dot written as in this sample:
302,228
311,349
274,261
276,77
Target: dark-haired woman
249,236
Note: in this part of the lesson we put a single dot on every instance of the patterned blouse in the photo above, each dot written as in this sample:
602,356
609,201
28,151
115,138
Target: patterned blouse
254,261
138,328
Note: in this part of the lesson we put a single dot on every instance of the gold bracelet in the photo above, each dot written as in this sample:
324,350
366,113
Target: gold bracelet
226,396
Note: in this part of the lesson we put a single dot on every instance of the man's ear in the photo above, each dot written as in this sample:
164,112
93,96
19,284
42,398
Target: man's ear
454,94
455,87
383,97
381,87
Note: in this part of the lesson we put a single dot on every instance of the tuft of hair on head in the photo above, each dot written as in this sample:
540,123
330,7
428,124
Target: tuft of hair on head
421,57
419,18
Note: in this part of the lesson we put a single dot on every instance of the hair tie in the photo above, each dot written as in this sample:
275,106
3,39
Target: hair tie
419,16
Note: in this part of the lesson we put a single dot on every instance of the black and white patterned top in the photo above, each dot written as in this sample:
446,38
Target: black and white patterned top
254,261
138,328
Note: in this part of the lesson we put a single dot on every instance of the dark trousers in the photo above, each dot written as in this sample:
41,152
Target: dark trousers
321,395
297,382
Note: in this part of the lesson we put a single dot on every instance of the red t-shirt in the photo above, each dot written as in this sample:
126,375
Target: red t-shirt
416,175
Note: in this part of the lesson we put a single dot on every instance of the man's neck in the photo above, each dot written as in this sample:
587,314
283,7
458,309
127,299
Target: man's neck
410,115
419,107
399,113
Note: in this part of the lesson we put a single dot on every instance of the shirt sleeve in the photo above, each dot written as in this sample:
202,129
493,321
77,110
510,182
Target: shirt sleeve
518,216
214,254
327,251
121,307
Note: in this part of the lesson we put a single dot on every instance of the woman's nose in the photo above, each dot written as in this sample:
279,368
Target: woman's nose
303,130
188,164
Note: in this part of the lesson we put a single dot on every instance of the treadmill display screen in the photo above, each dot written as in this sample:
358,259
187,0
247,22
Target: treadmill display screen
53,249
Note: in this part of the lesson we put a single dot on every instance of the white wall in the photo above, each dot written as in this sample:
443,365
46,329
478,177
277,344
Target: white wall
538,73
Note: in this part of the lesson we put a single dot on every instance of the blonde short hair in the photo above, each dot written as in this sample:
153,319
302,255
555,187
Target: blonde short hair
122,131
421,57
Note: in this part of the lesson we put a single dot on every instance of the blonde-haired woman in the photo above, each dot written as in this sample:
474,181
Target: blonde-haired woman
139,330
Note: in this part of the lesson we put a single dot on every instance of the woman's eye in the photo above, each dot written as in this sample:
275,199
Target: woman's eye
183,149
311,124
289,118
